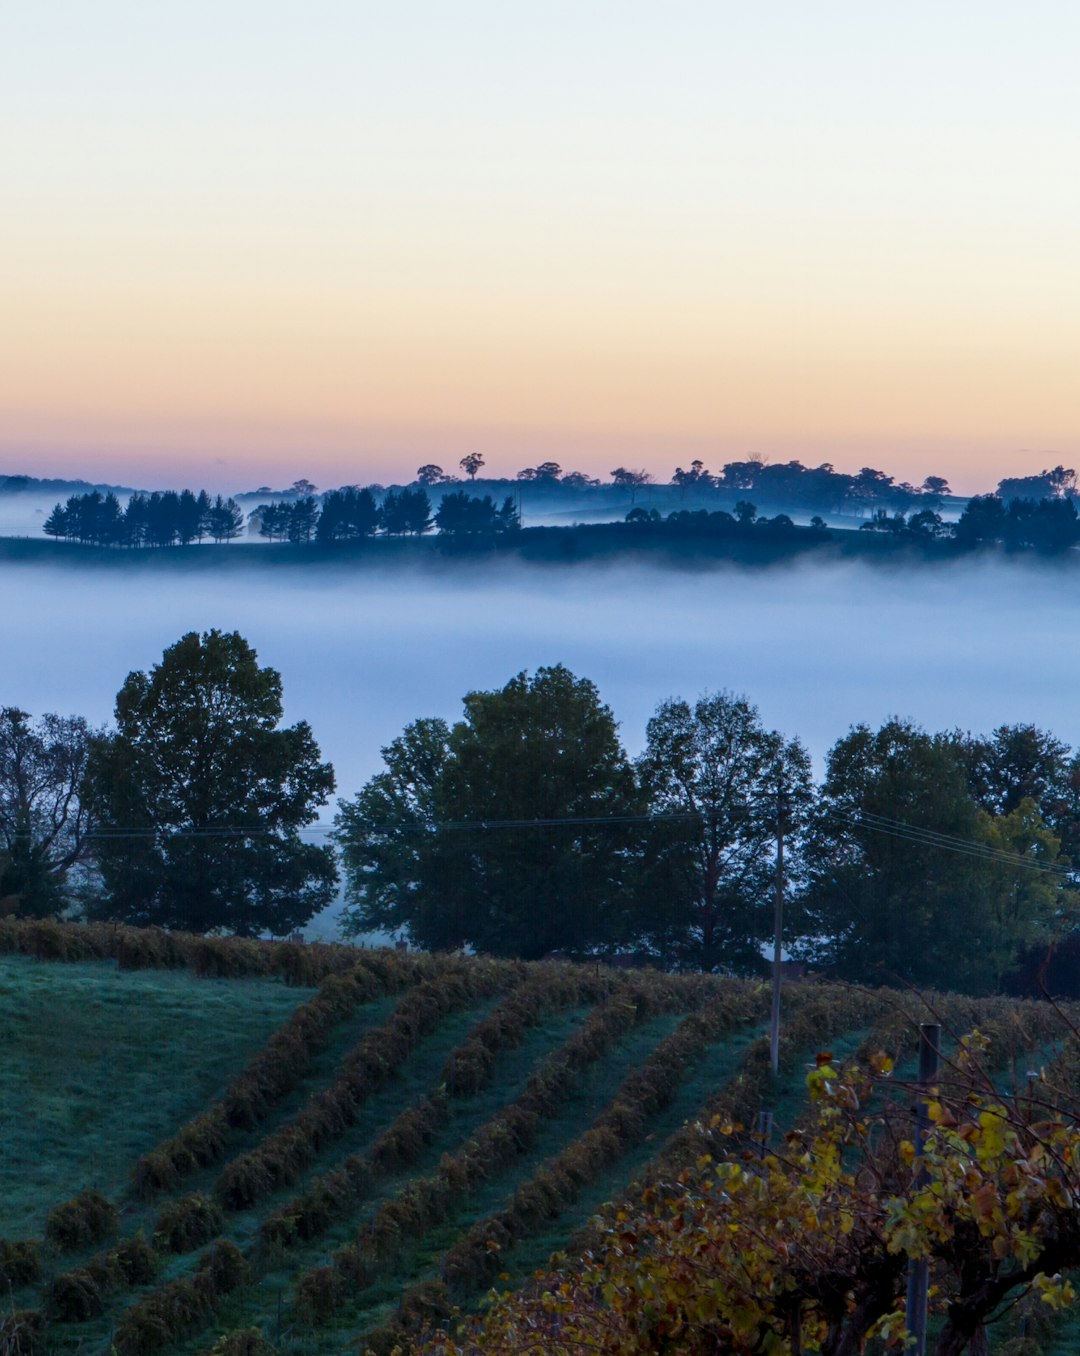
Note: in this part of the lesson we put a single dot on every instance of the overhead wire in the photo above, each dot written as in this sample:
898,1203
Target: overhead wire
875,823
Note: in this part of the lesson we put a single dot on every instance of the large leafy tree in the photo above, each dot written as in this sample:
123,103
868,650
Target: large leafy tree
43,818
507,832
1014,763
727,783
386,835
906,872
201,795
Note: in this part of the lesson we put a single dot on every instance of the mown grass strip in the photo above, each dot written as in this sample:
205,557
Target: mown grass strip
476,1259
274,1071
282,1157
430,1200
192,1221
467,1070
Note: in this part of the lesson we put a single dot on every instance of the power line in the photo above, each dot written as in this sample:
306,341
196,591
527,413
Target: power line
875,823
949,843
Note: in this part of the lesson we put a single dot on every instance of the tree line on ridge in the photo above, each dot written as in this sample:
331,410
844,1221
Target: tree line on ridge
525,828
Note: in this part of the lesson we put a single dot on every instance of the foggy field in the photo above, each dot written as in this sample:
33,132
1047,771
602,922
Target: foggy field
363,649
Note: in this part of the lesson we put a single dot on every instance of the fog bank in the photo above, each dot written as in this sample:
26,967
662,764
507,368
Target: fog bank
363,651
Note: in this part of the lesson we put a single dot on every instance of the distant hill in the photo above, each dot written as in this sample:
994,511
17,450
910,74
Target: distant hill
19,484
318,1142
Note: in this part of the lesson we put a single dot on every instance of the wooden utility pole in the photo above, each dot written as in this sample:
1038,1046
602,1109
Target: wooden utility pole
778,935
919,1271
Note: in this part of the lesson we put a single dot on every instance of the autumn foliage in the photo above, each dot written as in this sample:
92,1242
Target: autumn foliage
805,1248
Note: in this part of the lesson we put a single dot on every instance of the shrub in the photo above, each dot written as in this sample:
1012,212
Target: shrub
75,1297
175,1311
319,1294
242,1342
80,1222
22,1333
187,1223
20,1263
137,1261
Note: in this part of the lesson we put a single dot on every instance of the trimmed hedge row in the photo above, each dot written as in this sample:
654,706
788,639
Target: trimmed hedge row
468,1068
155,949
80,1222
188,1223
182,1307
473,1262
274,1071
20,1263
427,1201
622,1123
813,1016
548,988
76,1296
284,1155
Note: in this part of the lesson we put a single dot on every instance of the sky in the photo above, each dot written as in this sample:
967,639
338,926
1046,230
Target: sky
243,242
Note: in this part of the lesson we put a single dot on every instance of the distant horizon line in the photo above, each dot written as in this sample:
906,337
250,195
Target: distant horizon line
581,480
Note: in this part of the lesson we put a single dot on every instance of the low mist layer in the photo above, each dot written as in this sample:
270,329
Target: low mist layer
363,651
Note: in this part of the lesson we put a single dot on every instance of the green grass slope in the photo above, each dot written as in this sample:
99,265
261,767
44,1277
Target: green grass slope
98,1065
326,1162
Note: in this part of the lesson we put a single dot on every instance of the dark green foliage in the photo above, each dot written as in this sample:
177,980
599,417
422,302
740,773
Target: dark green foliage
20,1263
43,821
162,518
86,1219
187,1223
224,519
275,1070
177,1310
725,781
417,854
405,511
1048,525
243,1342
348,514
465,515
887,903
1015,763
207,795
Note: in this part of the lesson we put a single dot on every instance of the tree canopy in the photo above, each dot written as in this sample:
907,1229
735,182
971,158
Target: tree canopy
729,783
889,897
200,796
486,834
44,820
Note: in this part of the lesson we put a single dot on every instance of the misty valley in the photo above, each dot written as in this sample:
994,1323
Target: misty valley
362,651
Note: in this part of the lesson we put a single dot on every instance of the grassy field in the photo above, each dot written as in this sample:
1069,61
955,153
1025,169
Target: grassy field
99,1065
325,1160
